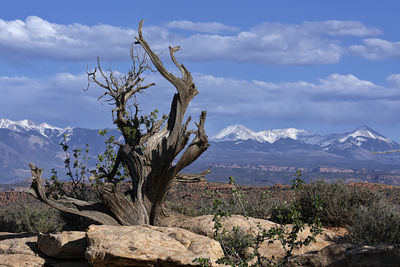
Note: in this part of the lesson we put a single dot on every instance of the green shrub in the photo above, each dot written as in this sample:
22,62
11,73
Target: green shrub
339,202
376,224
261,205
31,217
74,222
258,204
235,242
190,208
281,214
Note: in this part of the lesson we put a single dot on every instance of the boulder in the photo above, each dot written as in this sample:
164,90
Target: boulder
63,245
204,225
21,260
275,249
66,263
147,246
18,243
19,250
343,255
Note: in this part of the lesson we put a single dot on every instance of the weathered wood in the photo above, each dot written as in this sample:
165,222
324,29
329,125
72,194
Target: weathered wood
191,178
149,155
94,211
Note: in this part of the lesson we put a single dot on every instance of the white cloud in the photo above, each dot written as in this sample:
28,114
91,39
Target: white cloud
205,27
334,99
57,100
374,49
272,43
348,85
38,38
340,28
394,80
308,43
256,47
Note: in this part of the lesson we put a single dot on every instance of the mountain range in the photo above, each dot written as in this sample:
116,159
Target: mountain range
272,156
261,157
26,141
362,139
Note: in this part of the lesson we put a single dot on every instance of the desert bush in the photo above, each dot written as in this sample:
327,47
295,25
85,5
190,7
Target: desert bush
74,222
236,241
191,208
32,217
339,202
376,224
233,244
259,204
281,213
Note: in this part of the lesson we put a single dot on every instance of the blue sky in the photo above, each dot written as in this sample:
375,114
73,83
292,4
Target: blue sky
324,66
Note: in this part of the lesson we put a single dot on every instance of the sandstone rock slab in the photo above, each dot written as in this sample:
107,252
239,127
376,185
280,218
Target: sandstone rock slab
204,225
147,246
18,243
63,245
343,255
21,260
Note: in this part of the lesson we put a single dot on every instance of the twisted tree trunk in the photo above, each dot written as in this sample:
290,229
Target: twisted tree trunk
148,156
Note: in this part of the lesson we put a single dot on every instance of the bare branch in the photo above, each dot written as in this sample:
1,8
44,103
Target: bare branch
113,80
94,211
172,54
198,145
156,127
191,178
102,74
386,152
155,59
130,93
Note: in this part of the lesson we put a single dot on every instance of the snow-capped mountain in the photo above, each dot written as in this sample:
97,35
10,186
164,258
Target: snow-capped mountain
240,133
298,147
363,133
363,137
44,129
26,141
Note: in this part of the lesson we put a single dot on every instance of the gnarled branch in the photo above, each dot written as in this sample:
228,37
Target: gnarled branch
191,178
94,211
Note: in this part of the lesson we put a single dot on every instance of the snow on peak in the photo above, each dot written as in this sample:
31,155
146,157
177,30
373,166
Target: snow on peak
233,133
240,132
28,125
271,136
358,137
363,133
4,123
17,126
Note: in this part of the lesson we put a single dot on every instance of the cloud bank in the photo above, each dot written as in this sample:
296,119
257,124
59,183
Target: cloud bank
36,38
308,43
374,49
206,27
334,99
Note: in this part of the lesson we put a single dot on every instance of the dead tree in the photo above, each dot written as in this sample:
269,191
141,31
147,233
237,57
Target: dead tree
148,153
